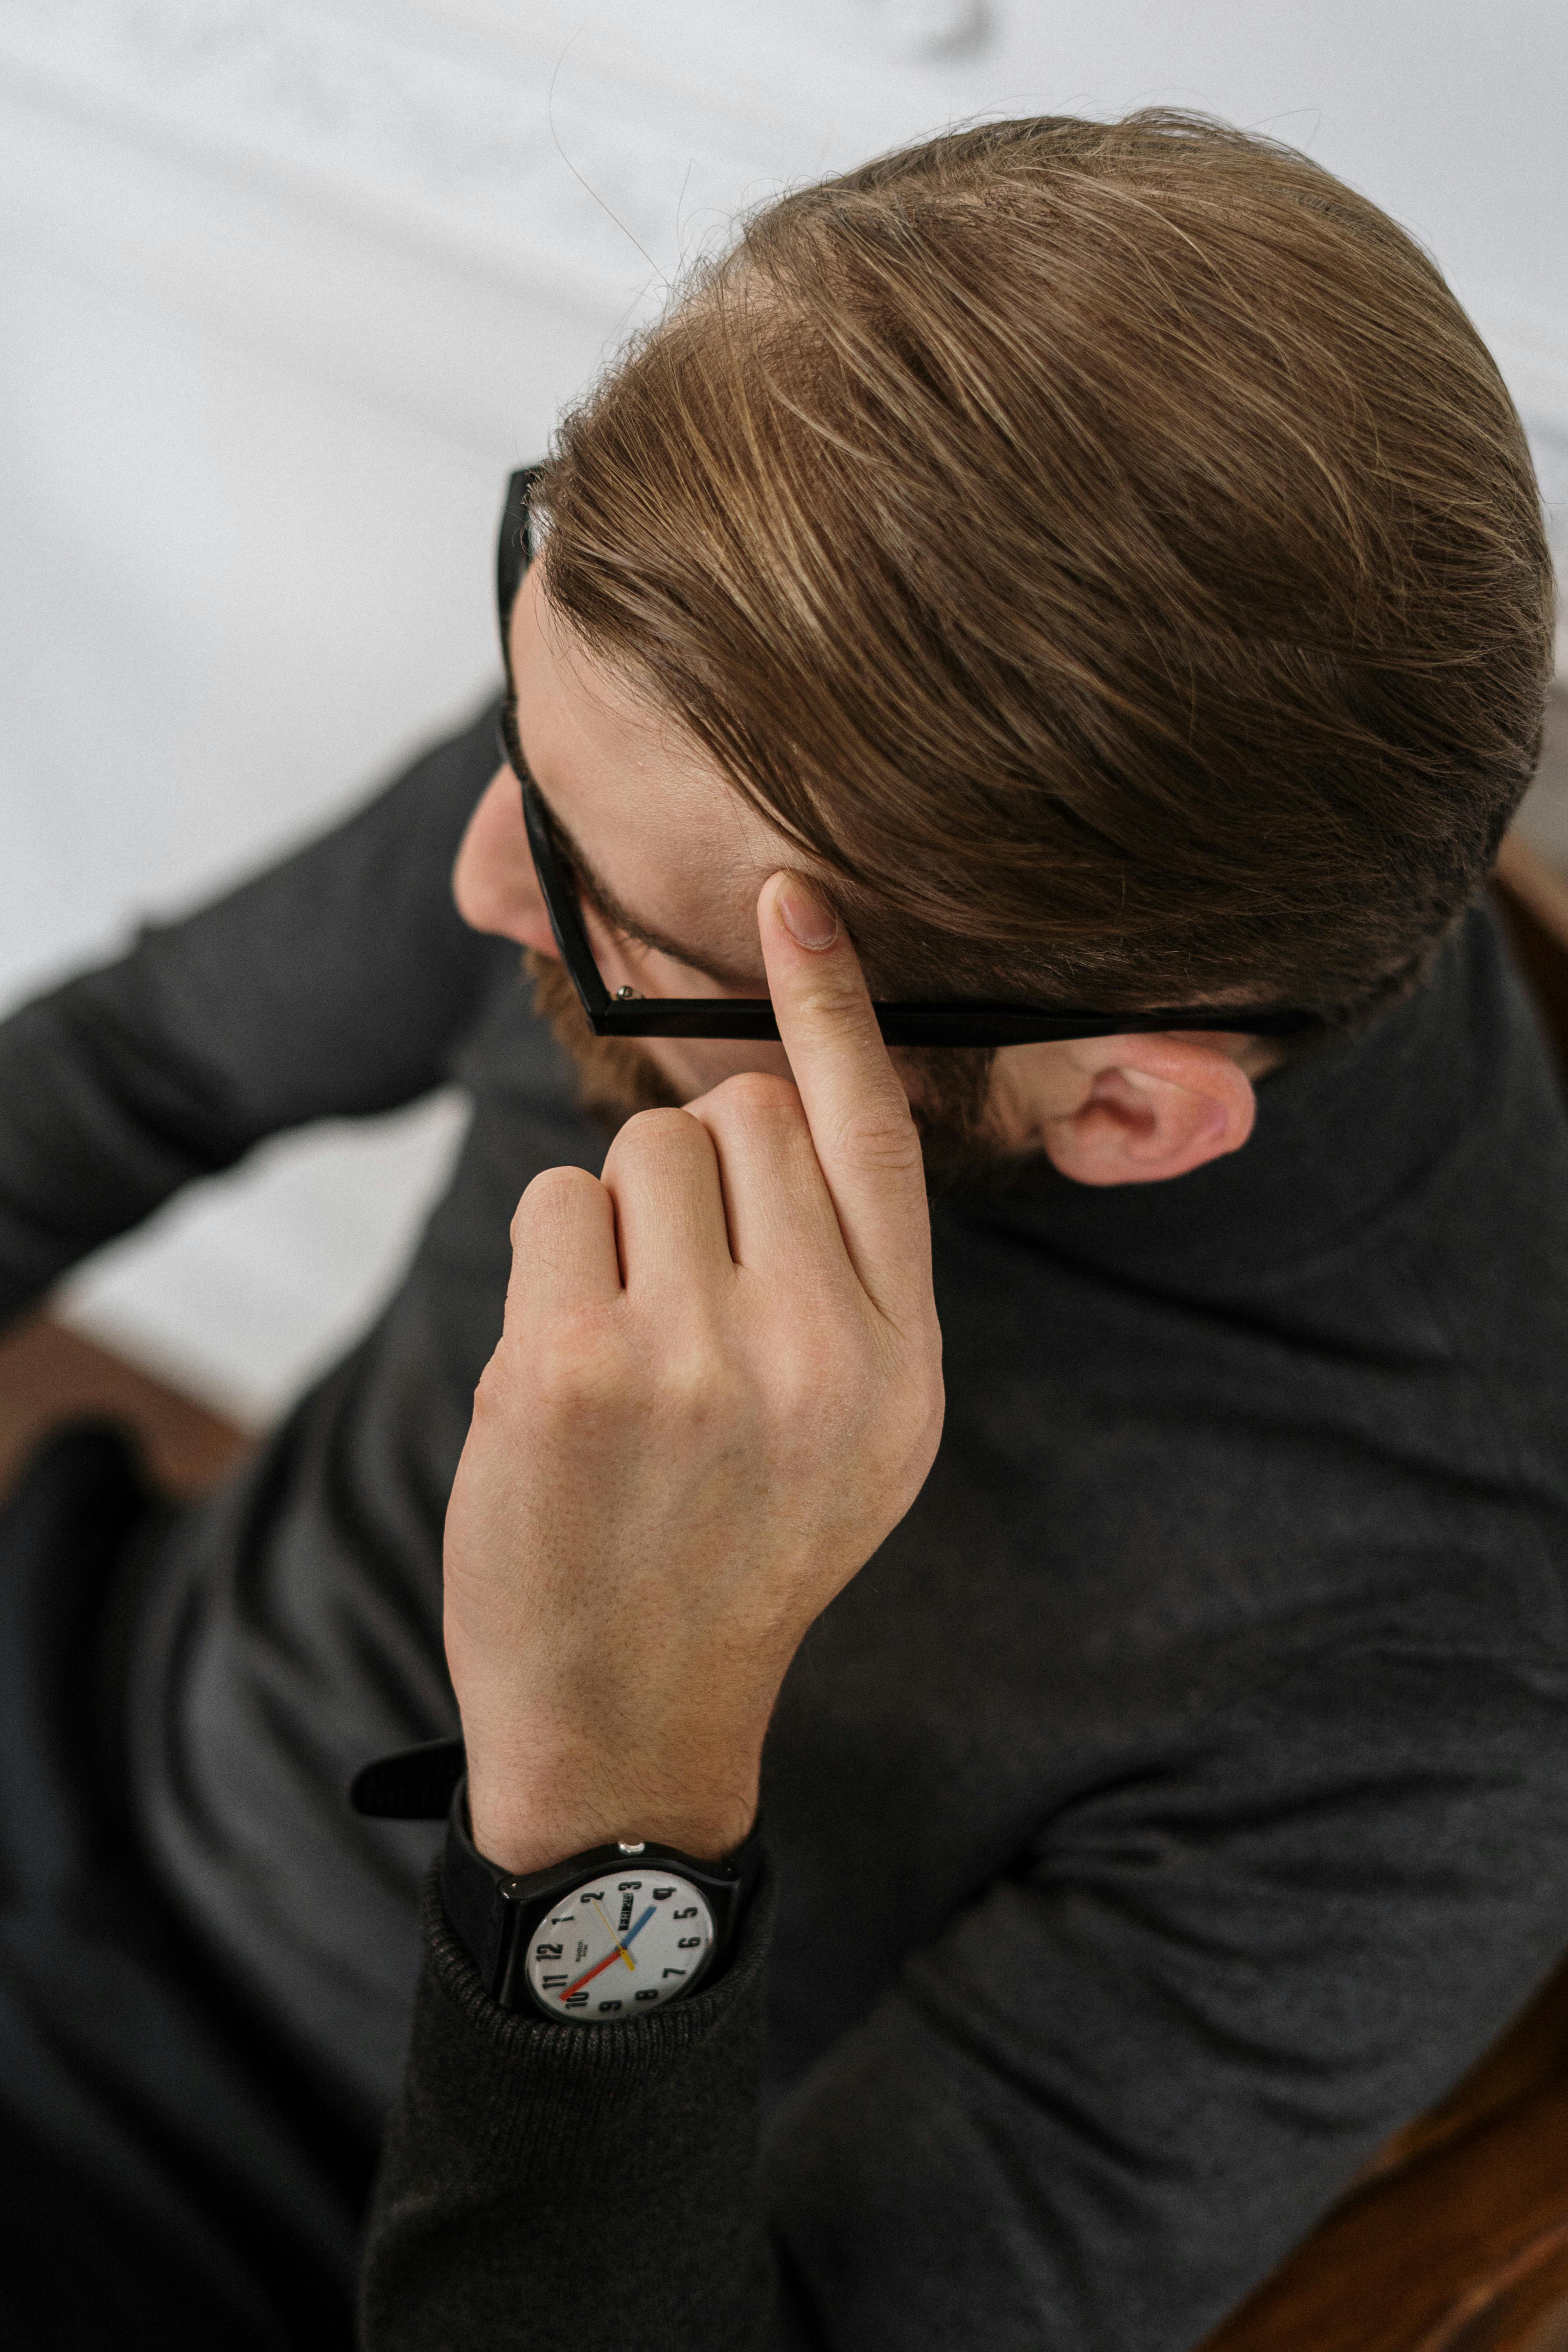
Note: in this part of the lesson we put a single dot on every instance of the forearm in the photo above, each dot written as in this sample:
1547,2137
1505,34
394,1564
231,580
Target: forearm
703,1416
536,2173
334,985
94,1134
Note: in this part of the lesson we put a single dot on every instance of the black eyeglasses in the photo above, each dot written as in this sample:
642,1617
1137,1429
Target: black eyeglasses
971,1021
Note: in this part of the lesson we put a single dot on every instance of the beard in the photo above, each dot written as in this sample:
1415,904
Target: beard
615,1079
948,1087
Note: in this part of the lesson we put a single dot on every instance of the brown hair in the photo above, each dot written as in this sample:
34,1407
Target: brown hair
1108,549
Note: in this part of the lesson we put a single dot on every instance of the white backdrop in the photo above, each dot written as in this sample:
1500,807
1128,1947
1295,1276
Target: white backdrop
287,285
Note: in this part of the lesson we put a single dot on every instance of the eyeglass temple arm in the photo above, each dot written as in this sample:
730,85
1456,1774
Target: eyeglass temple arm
566,921
511,547
752,1017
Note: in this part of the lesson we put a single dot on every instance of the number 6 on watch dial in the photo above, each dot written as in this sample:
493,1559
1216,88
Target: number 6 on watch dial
619,1944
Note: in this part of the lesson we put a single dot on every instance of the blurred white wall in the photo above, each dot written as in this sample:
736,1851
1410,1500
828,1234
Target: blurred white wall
287,285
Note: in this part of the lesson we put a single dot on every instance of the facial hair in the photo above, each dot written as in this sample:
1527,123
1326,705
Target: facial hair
947,1087
615,1079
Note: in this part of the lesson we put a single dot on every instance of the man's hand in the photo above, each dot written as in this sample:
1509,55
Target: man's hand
718,1388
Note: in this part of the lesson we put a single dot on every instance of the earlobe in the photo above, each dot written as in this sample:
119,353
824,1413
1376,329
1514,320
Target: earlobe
1161,1107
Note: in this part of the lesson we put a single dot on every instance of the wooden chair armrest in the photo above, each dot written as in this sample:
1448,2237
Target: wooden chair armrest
1465,2247
49,1375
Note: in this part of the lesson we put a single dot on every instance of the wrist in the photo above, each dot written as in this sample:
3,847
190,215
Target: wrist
524,1828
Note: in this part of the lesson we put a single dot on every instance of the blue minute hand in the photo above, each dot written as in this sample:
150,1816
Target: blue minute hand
642,1923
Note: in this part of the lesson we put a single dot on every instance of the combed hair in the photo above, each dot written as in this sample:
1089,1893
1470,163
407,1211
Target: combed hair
1107,549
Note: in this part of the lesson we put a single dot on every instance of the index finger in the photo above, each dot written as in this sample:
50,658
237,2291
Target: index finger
861,1127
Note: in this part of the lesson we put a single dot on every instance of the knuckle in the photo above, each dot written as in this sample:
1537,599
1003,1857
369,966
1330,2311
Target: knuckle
805,1375
551,1197
878,1138
925,1424
826,1371
495,1400
757,1095
577,1387
915,1424
573,1368
653,1138
696,1381
832,989
688,1393
658,1130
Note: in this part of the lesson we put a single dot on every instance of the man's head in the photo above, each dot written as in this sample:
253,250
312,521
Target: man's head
1104,556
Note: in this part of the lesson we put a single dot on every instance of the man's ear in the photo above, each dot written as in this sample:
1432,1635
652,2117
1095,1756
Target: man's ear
1150,1108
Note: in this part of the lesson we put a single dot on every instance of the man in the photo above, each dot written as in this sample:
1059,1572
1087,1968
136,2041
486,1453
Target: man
1085,1669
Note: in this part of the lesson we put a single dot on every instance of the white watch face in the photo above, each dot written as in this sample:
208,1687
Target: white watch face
620,1944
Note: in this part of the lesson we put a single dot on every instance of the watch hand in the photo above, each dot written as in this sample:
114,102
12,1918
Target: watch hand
610,1931
589,1974
620,1952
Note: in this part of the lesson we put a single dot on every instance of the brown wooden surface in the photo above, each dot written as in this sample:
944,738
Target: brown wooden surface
1455,2239
49,1375
1529,2315
1532,2052
1464,2247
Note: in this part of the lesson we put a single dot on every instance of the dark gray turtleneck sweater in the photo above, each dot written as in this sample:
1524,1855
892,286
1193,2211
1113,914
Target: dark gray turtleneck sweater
1174,1803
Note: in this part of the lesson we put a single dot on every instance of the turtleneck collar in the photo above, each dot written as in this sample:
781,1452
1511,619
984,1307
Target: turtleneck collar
1338,1138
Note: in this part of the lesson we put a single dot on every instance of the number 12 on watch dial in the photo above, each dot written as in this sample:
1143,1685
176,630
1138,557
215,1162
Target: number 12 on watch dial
619,1945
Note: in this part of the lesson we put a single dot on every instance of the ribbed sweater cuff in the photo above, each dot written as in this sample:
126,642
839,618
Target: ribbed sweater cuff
537,2092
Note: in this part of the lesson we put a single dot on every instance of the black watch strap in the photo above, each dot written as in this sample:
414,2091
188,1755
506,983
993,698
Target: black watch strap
416,1784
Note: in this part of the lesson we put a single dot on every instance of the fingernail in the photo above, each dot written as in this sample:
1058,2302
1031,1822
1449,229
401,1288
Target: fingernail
805,919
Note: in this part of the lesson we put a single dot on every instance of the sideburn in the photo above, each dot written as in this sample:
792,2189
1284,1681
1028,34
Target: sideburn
947,1087
615,1079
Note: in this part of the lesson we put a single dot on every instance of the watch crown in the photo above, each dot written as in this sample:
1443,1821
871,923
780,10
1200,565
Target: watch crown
630,1849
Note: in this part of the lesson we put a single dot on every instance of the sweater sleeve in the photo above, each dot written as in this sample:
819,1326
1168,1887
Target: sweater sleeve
336,983
1096,2111
540,2183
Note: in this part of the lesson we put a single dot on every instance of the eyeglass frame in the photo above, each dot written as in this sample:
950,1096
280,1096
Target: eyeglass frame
971,1021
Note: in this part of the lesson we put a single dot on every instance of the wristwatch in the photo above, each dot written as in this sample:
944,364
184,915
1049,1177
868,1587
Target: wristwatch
605,1935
